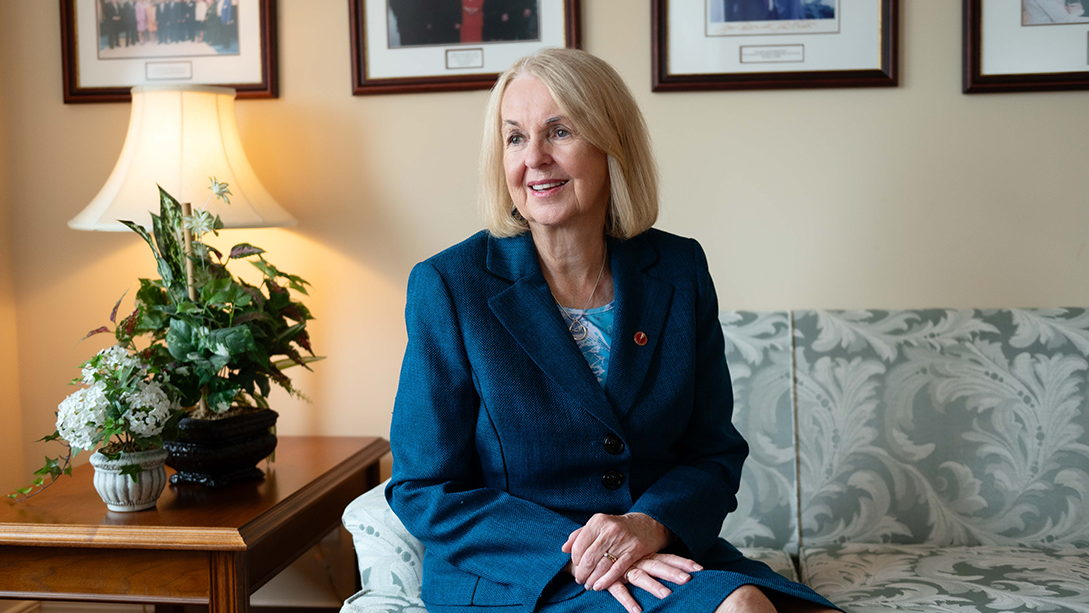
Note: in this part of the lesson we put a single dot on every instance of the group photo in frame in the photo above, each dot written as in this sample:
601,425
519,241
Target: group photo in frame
773,44
109,46
404,46
1025,45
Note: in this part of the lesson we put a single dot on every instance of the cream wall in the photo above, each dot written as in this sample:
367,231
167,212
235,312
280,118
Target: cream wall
905,197
11,436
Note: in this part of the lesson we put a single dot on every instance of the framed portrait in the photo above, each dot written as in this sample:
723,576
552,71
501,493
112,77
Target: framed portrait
108,46
773,44
1025,45
402,46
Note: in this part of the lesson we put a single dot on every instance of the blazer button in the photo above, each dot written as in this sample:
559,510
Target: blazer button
614,445
612,479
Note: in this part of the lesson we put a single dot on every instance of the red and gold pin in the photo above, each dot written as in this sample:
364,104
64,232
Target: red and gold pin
640,339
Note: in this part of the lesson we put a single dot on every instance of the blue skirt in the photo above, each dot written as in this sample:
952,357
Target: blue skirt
705,591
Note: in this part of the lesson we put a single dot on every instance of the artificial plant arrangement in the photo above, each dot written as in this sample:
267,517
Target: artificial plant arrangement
214,343
233,338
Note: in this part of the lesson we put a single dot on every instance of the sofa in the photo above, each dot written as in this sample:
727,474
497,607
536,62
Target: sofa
916,460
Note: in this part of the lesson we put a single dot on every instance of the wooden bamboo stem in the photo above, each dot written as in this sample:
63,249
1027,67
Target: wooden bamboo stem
190,285
187,210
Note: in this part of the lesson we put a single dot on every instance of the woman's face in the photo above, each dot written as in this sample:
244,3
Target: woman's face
556,177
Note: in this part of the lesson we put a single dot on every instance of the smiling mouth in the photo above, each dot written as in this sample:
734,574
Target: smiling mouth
544,187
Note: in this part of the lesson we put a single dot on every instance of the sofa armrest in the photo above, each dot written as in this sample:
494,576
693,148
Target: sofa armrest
390,559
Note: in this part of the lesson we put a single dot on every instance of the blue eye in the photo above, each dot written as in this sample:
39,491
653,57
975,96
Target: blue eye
514,139
562,133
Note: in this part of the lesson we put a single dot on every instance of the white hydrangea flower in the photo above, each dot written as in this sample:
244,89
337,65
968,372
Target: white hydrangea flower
111,360
149,408
81,415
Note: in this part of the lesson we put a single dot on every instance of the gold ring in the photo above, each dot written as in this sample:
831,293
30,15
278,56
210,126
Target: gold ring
626,573
611,557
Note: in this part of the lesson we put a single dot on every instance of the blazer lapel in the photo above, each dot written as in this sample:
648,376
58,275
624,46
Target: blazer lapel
529,313
642,306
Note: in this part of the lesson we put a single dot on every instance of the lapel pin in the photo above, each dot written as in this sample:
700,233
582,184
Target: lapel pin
640,339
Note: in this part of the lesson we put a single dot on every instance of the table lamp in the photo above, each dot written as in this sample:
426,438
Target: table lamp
179,136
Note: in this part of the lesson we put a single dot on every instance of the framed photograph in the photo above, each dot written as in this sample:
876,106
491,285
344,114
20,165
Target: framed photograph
401,46
108,46
1025,45
773,44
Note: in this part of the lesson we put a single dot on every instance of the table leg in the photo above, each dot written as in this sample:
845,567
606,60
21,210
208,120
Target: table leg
229,591
374,475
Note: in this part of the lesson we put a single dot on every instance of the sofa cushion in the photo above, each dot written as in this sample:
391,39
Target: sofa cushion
777,559
758,354
953,427
372,602
870,578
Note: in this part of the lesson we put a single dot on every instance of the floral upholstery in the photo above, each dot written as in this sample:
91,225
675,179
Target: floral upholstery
758,354
777,559
871,578
377,602
938,460
390,559
943,426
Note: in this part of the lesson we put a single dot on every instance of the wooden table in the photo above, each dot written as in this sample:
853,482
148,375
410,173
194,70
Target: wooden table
198,546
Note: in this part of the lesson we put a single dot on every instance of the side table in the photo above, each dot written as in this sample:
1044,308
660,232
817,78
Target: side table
198,546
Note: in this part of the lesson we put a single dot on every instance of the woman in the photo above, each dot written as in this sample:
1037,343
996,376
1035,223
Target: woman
141,20
200,14
152,21
561,435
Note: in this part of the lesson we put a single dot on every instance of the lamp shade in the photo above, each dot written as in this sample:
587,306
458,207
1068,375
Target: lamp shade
179,136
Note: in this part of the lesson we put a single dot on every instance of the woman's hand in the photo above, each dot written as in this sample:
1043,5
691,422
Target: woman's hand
603,549
645,574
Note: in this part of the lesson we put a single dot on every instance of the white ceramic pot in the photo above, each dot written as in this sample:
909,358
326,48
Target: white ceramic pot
120,492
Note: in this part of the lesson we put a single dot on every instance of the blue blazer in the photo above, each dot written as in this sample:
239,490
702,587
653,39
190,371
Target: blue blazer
504,442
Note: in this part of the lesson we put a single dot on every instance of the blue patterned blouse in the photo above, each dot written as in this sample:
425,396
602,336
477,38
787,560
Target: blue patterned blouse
598,338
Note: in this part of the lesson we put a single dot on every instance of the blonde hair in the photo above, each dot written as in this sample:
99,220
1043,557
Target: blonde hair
596,101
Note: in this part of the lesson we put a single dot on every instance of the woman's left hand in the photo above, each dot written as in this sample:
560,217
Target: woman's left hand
625,538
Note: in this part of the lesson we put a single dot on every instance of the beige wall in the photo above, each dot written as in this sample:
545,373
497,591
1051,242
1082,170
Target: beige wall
905,197
11,435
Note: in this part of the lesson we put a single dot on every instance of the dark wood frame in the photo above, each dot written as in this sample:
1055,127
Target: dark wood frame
361,86
886,76
975,82
269,87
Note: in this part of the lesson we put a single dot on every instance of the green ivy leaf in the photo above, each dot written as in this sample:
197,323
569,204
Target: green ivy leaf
267,269
237,340
295,285
131,470
179,339
187,308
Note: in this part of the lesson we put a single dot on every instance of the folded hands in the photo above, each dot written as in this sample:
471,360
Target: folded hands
612,552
